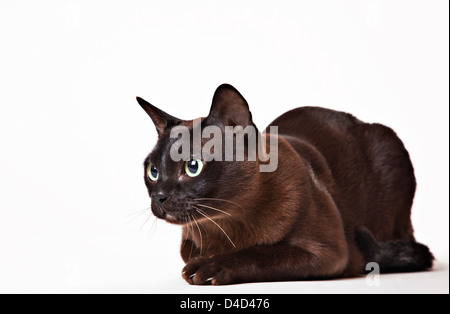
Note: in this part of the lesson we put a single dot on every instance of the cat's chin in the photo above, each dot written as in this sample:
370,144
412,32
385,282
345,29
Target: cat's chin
174,219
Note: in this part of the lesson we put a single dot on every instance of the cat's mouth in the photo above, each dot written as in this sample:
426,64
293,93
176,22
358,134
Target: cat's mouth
179,214
171,218
178,217
183,212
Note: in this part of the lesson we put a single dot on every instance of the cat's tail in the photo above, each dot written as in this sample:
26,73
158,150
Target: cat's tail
394,256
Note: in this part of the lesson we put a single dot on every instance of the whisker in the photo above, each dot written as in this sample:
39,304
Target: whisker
192,230
138,212
214,208
142,211
153,226
206,216
146,220
201,240
185,223
218,199
189,227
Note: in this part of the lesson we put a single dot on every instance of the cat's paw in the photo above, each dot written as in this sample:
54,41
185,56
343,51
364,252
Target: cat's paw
203,271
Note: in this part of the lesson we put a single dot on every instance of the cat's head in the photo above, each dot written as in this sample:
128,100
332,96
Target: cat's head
199,185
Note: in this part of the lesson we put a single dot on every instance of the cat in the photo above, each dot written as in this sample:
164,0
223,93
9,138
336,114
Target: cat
340,197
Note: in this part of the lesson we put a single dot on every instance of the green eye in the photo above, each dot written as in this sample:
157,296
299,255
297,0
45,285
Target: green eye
193,167
152,173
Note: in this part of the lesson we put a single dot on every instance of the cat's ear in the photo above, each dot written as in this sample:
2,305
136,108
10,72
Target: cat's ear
161,119
229,108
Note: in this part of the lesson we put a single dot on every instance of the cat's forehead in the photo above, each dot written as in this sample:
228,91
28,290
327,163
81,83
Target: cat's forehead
169,135
161,151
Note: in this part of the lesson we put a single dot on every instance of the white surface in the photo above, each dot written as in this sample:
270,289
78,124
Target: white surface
73,138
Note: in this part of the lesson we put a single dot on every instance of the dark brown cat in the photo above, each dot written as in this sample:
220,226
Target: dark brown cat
339,198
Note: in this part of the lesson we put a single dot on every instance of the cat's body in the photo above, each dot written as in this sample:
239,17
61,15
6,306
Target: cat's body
340,197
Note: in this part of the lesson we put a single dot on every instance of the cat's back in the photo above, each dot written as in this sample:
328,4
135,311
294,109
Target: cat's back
303,121
365,162
329,133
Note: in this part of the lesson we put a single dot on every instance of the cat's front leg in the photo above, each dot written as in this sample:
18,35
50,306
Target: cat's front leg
188,250
265,263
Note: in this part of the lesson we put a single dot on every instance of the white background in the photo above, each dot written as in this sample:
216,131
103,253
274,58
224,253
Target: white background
73,138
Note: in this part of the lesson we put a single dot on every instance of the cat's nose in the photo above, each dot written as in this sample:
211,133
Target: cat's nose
160,198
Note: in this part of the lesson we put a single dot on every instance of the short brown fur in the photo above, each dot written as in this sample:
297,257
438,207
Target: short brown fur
340,197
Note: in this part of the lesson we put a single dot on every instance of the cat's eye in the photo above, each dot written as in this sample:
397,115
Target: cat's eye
152,173
193,167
